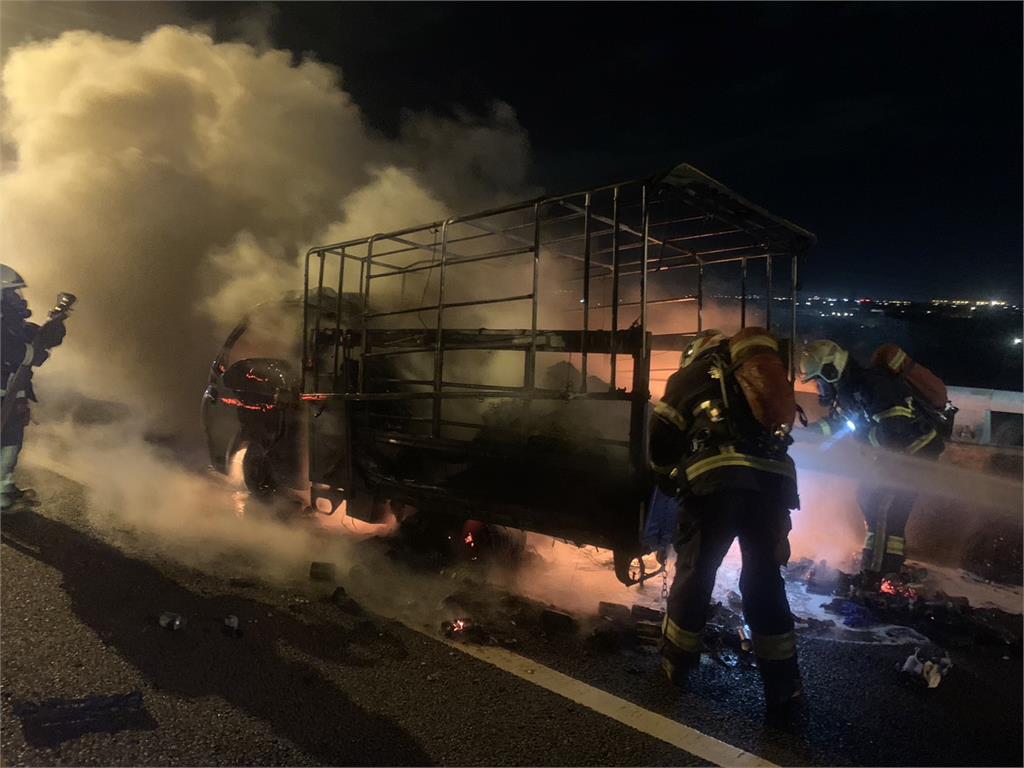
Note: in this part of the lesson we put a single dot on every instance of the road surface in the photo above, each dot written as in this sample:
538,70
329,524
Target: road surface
89,677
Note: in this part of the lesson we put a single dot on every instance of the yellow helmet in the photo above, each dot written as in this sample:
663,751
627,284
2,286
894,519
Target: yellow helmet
698,344
823,359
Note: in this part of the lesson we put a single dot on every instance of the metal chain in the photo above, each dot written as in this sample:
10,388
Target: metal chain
664,585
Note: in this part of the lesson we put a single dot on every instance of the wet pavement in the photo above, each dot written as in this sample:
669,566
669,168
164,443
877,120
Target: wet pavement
90,677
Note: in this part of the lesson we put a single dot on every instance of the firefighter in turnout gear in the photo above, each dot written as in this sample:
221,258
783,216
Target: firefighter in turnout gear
892,404
19,337
718,442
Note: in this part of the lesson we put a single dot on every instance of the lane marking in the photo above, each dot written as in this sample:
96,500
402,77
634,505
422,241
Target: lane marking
626,712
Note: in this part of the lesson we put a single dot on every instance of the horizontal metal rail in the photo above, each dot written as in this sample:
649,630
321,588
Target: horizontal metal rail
452,262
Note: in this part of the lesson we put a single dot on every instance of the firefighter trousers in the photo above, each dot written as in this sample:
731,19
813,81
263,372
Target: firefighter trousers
707,527
886,511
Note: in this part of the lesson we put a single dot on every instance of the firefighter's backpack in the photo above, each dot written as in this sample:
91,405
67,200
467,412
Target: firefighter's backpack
761,375
928,390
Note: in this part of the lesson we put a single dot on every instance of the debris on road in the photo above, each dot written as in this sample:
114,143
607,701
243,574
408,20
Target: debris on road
231,628
930,669
643,613
556,622
319,571
171,621
342,600
616,612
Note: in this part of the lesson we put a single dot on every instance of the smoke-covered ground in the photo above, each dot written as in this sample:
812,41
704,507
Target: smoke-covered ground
173,183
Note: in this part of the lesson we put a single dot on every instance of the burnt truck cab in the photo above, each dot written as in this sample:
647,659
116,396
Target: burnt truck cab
500,366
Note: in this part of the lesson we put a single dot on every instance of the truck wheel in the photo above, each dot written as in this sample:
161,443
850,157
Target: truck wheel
256,472
629,566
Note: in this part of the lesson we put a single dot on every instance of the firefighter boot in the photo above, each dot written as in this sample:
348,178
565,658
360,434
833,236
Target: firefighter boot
677,667
783,689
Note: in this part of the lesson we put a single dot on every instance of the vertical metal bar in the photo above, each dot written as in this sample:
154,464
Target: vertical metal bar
768,293
439,341
586,291
316,327
792,319
530,374
646,213
700,295
305,324
337,319
615,284
743,292
364,276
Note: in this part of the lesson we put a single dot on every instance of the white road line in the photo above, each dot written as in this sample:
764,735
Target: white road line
636,717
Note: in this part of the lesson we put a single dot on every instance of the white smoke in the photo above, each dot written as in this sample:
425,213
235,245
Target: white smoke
174,182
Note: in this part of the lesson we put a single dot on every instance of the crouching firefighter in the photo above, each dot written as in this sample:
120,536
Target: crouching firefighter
893,404
718,442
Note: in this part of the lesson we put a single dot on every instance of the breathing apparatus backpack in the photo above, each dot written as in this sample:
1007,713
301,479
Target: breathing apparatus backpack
929,393
752,371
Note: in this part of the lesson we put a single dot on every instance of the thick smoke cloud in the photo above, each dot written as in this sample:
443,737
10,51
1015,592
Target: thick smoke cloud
172,183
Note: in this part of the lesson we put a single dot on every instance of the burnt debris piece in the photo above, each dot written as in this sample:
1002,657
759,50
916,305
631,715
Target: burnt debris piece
319,571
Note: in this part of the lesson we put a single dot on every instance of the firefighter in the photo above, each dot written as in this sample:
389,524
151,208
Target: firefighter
718,442
17,333
880,406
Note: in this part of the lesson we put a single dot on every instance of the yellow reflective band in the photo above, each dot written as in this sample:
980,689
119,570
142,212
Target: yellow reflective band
920,443
869,540
894,545
897,360
753,341
826,428
729,457
663,470
873,437
896,410
774,647
671,415
683,639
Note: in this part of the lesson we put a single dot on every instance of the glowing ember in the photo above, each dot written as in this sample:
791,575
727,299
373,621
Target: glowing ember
890,587
469,540
249,407
458,626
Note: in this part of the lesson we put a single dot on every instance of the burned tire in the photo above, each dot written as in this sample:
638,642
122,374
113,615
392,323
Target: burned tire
256,471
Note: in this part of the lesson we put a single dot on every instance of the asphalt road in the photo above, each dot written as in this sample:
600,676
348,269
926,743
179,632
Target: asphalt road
306,683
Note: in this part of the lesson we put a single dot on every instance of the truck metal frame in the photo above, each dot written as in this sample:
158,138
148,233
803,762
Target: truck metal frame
625,268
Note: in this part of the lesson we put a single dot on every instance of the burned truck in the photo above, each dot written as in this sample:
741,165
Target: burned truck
500,366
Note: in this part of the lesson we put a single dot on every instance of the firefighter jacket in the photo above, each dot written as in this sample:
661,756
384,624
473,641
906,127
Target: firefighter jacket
703,436
882,411
16,336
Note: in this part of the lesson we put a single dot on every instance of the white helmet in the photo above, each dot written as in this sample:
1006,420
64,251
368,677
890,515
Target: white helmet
823,359
9,278
702,341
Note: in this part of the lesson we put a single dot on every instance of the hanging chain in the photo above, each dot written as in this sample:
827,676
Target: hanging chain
664,585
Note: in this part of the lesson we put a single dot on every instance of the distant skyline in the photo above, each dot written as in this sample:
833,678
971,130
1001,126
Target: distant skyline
891,130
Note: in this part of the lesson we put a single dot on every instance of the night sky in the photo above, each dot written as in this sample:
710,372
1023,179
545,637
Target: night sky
893,131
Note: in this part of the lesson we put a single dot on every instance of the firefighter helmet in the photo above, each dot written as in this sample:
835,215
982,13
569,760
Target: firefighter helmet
823,359
702,341
9,278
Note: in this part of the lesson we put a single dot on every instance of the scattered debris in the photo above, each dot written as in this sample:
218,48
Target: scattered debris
734,600
648,632
171,621
457,629
614,612
822,580
319,571
231,628
556,622
341,599
643,613
930,668
433,677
